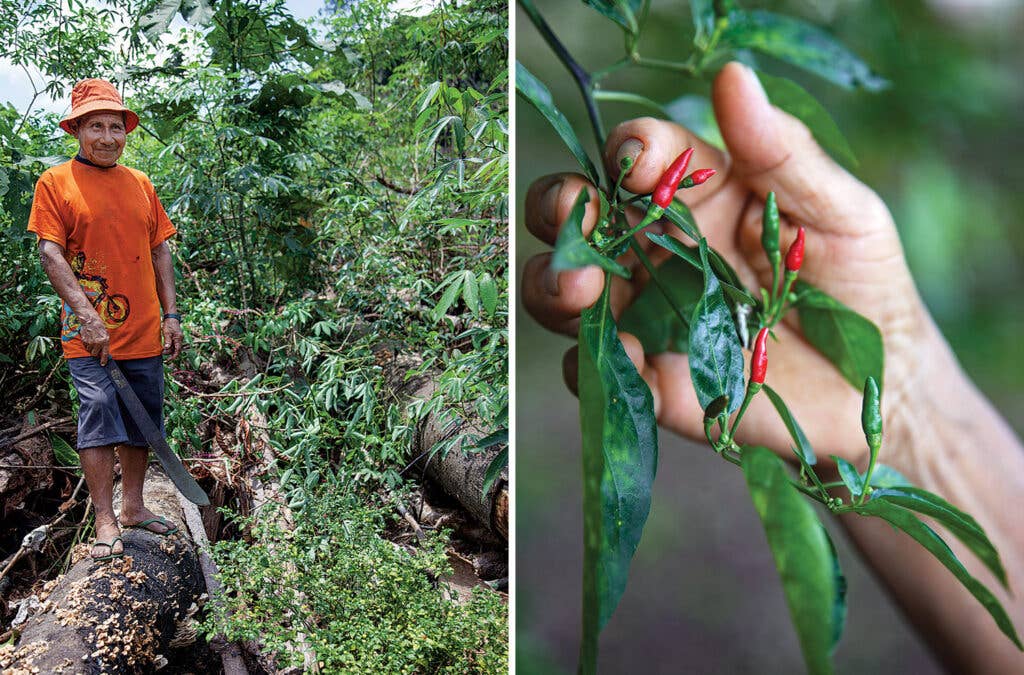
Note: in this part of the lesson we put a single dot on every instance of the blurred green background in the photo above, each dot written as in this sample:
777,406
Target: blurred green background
943,146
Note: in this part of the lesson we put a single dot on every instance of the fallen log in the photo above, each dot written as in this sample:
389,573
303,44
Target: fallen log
119,616
459,471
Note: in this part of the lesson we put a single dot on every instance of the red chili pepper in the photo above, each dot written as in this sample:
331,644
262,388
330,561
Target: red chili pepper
670,180
697,177
795,255
759,361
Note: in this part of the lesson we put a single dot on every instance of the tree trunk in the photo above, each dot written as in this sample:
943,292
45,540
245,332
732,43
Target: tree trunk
122,615
459,472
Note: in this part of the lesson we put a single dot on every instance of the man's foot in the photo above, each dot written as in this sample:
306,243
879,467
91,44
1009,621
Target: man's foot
144,519
108,544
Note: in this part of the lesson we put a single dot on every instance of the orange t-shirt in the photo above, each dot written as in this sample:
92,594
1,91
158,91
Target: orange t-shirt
108,220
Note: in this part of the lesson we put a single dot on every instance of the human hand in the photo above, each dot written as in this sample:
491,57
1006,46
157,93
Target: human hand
173,338
853,253
95,338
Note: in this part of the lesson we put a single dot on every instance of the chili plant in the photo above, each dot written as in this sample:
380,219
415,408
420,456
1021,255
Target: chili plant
697,305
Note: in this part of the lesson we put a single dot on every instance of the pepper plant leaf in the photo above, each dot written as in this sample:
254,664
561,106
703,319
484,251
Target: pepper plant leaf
572,250
852,478
884,476
622,12
905,520
620,455
653,320
537,95
795,100
851,342
961,525
800,44
723,271
802,552
803,446
716,359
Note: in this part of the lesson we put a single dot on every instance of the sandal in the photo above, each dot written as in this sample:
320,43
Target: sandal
169,527
110,545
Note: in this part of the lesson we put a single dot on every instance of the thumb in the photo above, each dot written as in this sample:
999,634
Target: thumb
773,151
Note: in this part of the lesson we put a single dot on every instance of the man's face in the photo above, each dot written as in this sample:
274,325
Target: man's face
101,137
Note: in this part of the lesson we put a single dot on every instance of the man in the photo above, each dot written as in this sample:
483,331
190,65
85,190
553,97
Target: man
103,244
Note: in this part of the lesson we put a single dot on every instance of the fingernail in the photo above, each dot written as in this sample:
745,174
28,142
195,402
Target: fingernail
631,147
549,203
551,281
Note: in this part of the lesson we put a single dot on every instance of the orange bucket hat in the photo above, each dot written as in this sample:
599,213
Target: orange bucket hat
95,95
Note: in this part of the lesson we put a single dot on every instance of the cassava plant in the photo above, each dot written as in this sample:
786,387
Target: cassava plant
696,304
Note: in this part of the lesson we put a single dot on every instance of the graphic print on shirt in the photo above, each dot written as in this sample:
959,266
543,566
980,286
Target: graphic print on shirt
113,308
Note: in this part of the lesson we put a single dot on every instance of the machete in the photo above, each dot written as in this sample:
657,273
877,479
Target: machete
176,471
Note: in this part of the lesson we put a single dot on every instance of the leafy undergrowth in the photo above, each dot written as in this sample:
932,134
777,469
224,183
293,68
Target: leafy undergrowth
362,603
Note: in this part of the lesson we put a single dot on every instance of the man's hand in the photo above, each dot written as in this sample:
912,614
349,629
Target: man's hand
173,338
852,252
95,338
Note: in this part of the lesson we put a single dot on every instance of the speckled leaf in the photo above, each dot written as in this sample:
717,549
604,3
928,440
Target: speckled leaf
620,455
802,552
536,94
800,44
846,338
795,100
716,359
904,520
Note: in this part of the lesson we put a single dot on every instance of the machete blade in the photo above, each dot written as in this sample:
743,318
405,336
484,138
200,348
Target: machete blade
176,471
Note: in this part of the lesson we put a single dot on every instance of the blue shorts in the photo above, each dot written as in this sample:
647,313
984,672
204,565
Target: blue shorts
102,417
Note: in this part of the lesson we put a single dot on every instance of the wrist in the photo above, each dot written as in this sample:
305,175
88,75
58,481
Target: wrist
172,316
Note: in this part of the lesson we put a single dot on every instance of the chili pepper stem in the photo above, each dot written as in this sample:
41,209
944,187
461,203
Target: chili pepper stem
652,215
788,282
875,444
752,389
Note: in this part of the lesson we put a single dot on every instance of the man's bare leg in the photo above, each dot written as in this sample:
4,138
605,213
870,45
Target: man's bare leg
98,466
133,474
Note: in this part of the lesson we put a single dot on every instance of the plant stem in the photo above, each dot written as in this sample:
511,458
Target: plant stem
583,79
747,398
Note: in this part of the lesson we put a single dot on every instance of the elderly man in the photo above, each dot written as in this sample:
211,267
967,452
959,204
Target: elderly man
103,244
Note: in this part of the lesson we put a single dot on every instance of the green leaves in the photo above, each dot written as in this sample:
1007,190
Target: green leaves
851,342
795,100
716,360
571,248
852,479
803,555
960,524
537,95
905,520
620,455
802,45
